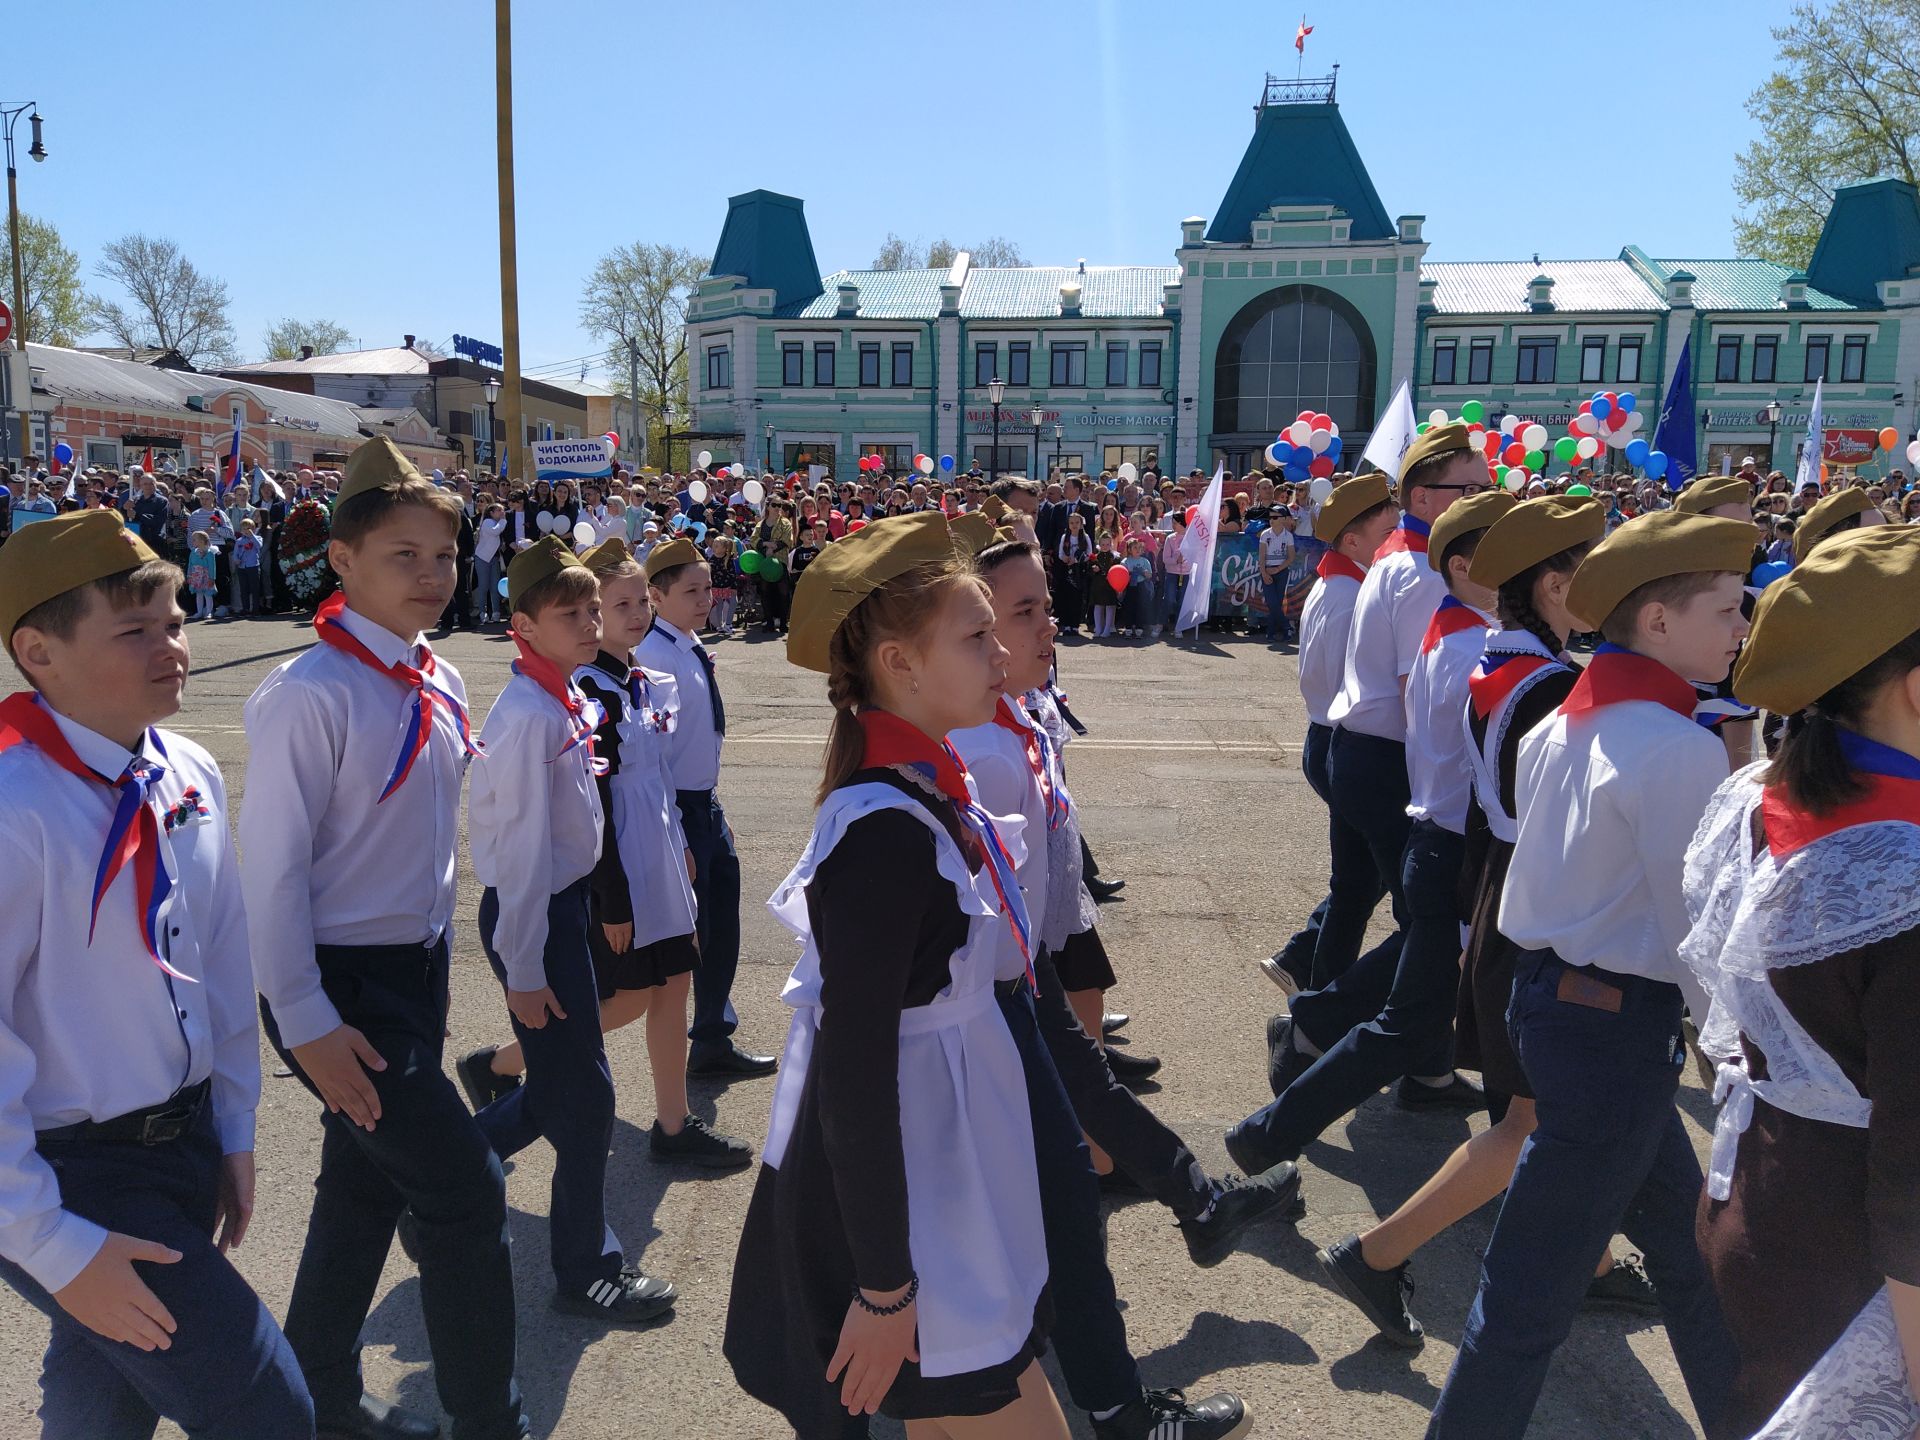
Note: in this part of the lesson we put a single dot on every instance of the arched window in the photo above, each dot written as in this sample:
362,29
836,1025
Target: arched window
1295,348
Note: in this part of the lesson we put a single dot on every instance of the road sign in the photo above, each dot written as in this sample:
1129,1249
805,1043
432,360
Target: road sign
6,322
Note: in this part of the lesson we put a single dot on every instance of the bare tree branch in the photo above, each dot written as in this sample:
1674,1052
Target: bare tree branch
172,305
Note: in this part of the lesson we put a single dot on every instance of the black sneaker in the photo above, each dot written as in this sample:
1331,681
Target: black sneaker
1237,1204
1166,1415
1116,1184
627,1299
1381,1295
483,1087
698,1143
1114,1020
1624,1289
1459,1095
1248,1149
1130,1069
1285,1061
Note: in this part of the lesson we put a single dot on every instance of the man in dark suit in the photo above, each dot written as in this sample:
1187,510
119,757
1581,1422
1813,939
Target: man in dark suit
459,611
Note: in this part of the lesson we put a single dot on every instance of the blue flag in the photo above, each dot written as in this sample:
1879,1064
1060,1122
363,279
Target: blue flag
1674,436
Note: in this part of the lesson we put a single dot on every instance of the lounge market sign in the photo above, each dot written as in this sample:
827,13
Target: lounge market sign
1015,420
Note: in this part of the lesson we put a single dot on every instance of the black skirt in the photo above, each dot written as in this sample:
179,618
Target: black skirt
1480,1038
1083,963
641,969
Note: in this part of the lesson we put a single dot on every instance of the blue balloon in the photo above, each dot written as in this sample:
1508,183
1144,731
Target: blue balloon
1602,407
1297,472
1334,448
1283,451
946,462
1765,575
679,522
1113,484
1254,527
1627,402
1656,465
1637,452
699,530
63,452
503,585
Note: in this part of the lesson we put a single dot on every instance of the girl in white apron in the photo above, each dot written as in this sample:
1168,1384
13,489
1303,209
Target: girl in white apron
893,1257
1803,884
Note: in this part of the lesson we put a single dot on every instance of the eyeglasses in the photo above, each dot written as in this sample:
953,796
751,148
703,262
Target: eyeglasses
1464,489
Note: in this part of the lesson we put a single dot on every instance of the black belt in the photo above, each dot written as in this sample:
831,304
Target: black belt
156,1125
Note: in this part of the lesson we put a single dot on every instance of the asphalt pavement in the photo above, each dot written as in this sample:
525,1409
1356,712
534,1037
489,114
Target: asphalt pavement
1191,791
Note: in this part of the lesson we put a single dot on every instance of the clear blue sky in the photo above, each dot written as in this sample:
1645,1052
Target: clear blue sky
336,159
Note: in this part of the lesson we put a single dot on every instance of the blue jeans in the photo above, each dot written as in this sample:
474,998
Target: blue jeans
1275,590
1173,589
716,891
229,1373
487,575
1609,1154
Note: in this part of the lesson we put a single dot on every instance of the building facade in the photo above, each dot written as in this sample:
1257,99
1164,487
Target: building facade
1301,293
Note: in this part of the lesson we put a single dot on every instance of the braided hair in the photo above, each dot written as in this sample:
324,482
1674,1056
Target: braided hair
1514,599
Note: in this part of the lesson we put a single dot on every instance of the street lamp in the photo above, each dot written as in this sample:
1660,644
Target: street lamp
1770,412
38,151
492,389
768,453
1037,415
1059,430
996,392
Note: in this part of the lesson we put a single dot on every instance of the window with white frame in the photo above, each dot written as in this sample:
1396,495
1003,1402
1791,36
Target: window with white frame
1626,361
1593,359
1149,364
1853,360
1446,357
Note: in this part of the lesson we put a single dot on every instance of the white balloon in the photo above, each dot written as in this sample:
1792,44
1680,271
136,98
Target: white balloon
584,533
544,520
1634,420
1437,417
1913,452
1129,471
736,469
926,465
1299,432
1320,489
703,459
1319,440
608,446
1587,448
1516,480
1534,437
754,491
698,488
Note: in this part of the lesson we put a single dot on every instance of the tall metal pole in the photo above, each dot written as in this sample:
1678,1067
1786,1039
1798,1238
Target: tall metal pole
509,258
633,390
19,289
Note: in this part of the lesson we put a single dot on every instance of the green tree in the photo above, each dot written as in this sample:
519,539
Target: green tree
896,254
284,341
170,303
636,301
1844,106
56,305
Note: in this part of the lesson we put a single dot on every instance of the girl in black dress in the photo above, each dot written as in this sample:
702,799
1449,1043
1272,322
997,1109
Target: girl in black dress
1073,574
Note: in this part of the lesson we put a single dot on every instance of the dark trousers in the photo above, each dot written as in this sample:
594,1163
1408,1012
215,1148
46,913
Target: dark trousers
1609,1153
249,578
1088,1333
716,890
1274,592
229,1374
424,1155
1112,1114
1296,956
567,1099
459,610
1412,1032
1367,828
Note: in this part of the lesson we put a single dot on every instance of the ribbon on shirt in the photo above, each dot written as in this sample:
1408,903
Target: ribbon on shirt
133,835
1450,617
893,741
1409,537
1616,675
583,715
426,691
1038,746
1333,564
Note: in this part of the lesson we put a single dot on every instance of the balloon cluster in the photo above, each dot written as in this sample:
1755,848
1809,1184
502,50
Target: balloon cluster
1611,418
871,463
1309,448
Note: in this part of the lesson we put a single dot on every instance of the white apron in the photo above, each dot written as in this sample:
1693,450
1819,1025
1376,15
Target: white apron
646,821
973,1200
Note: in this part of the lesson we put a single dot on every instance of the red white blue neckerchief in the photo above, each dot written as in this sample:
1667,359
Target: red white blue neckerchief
892,741
1450,617
640,693
1616,675
1334,563
426,691
1038,746
583,715
1499,674
1408,537
133,835
1892,779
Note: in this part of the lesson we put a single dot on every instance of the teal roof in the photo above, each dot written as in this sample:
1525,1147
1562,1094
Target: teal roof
1300,154
1738,284
1107,292
1872,234
884,295
766,240
1499,287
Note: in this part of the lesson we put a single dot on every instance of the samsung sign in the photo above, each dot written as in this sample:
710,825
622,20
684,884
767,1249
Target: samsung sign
478,350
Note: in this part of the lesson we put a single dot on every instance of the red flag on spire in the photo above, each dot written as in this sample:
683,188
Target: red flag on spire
1300,35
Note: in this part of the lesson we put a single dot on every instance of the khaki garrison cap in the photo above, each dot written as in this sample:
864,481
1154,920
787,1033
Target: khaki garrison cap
852,568
375,465
675,552
972,533
1830,617
1821,520
607,555
1711,492
1439,440
993,507
1650,548
1535,530
541,560
62,554
1348,502
1463,517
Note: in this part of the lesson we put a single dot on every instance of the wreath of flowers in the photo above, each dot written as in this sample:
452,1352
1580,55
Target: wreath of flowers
303,550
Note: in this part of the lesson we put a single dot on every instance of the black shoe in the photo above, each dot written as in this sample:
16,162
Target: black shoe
1625,1289
627,1299
1113,1021
1382,1295
378,1420
729,1059
1249,1150
1237,1204
1130,1069
1105,890
700,1144
1285,1062
477,1078
1459,1095
1166,1415
1116,1184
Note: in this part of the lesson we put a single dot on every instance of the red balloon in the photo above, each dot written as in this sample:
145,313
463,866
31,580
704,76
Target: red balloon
1514,453
1613,399
1322,422
1321,468
1492,443
1306,415
1586,407
1117,577
836,524
1615,420
1193,513
857,525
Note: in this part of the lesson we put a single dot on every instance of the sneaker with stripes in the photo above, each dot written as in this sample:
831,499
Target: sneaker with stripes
1166,1415
627,1299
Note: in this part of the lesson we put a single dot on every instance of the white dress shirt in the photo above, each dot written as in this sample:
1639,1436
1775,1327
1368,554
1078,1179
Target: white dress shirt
533,821
1439,770
1390,617
487,538
323,859
1609,800
997,760
91,1030
693,750
1326,621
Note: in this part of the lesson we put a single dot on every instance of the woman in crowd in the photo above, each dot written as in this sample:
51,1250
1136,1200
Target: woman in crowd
1176,570
774,540
1072,578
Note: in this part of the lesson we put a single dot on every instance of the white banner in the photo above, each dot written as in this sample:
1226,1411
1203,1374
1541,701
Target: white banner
1388,444
571,459
1197,545
1814,450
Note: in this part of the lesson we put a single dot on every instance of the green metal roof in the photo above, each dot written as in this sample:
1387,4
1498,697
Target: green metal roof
1738,284
1300,153
1107,292
884,295
1499,287
766,240
1872,233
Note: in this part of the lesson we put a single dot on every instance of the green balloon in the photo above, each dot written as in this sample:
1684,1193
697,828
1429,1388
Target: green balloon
1421,428
771,569
1473,412
1565,448
1579,490
1500,472
750,562
1536,461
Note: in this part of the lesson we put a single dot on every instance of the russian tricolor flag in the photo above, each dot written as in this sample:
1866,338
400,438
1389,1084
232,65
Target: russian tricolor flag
231,473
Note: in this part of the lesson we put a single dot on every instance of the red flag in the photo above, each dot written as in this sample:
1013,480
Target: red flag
1300,35
148,467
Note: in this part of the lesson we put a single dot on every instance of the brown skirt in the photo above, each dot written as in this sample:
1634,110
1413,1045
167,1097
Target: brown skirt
1480,1038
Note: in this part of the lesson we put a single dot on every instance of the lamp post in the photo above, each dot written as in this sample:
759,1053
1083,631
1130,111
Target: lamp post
1770,412
1059,431
996,392
768,453
492,389
11,115
1037,416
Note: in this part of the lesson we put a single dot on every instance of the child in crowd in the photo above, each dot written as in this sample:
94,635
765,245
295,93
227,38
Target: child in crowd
812,538
727,584
247,555
1136,601
146,1160
202,574
537,777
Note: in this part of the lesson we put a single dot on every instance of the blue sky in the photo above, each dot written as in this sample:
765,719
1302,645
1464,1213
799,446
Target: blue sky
336,159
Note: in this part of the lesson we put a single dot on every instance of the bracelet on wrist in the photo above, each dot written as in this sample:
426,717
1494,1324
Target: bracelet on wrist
913,1289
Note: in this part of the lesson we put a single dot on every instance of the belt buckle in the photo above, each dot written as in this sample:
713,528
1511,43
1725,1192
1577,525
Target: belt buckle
164,1128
